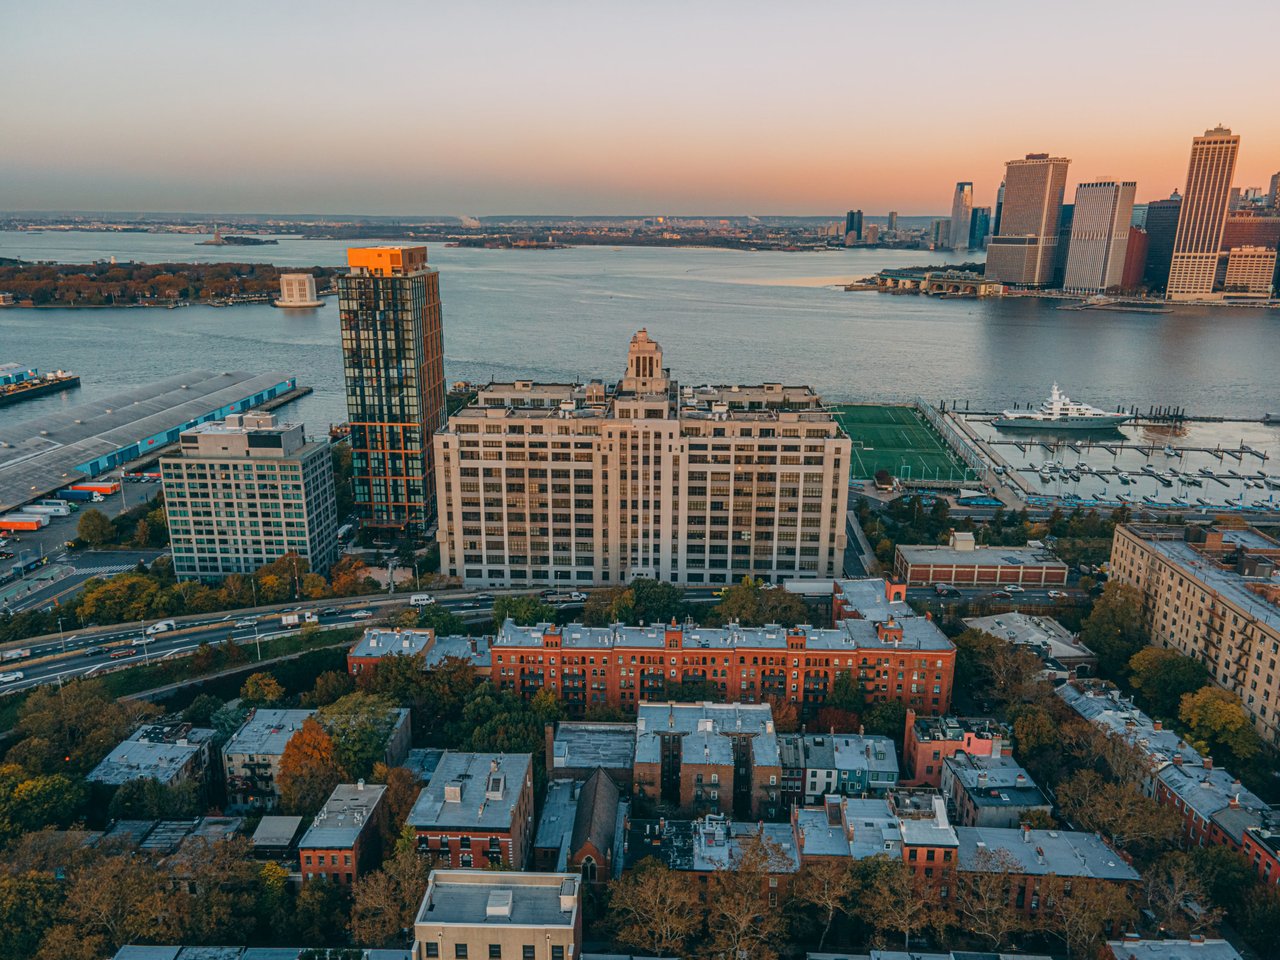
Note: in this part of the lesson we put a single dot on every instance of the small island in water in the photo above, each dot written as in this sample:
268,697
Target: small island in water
108,284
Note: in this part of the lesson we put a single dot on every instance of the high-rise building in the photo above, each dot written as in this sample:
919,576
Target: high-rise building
1251,271
893,216
1273,192
995,220
1162,228
245,491
853,224
1139,217
1066,217
1251,228
586,484
1022,252
1204,210
393,359
961,212
1135,260
940,233
872,233
979,227
1099,236
298,290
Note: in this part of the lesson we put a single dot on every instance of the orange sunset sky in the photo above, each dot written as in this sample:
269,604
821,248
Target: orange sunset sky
559,107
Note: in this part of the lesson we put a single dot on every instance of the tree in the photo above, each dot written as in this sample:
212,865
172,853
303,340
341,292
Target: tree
608,606
752,604
654,601
401,794
359,725
1119,811
1163,677
321,912
94,528
1082,915
142,534
275,902
740,923
70,730
385,903
1223,873
983,898
29,803
887,719
526,610
309,769
1114,629
1261,919
329,686
1169,885
121,899
260,689
225,884
1218,722
442,620
1006,671
893,897
654,908
29,904
826,885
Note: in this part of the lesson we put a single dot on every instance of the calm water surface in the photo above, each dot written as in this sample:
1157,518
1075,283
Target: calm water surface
721,316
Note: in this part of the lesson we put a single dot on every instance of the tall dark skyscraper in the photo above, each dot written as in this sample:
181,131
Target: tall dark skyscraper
979,227
1162,227
995,220
1062,252
853,224
393,360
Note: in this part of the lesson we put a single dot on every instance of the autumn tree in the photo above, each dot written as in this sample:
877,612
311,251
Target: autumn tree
401,794
31,802
826,886
1219,723
70,730
116,900
983,898
753,604
321,913
1008,672
1169,885
29,904
385,902
1114,629
329,686
1081,911
359,725
893,897
224,884
1120,812
260,689
740,921
94,528
145,798
309,769
1162,677
442,620
654,909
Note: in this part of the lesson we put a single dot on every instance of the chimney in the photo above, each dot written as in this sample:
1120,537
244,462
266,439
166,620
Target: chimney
1208,763
982,778
1177,759
1234,802
1020,780
997,747
360,784
1159,725
1026,833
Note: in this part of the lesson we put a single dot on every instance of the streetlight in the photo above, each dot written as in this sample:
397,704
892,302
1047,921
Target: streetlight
62,637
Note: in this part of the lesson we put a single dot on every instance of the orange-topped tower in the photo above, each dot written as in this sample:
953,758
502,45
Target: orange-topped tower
393,363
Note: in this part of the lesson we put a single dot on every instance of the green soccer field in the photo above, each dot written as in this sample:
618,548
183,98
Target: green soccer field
897,439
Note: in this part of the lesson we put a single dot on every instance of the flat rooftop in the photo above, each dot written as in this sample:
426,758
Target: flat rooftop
707,731
344,816
485,898
980,556
1227,583
276,831
266,732
152,751
1044,633
584,745
472,791
1203,949
1064,853
47,453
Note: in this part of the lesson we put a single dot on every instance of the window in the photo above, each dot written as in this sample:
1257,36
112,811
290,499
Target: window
557,953
526,952
495,951
433,949
460,951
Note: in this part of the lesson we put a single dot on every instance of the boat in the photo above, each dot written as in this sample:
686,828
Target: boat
1191,481
1271,418
1059,412
1205,471
1181,501
1124,498
1165,480
1272,483
1124,478
1169,451
1045,475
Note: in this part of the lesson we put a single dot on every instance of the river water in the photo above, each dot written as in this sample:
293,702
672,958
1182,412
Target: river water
721,316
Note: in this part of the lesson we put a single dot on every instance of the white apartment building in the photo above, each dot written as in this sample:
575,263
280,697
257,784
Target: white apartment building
298,290
245,491
1099,236
582,484
1202,216
1251,271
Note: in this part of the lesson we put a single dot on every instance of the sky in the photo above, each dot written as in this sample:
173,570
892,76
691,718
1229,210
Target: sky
491,107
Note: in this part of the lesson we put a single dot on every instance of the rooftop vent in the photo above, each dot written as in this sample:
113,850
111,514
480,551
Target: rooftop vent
453,792
499,904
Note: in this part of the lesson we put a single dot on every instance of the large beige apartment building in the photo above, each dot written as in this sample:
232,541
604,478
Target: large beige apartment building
244,491
1022,252
1212,594
1197,243
581,484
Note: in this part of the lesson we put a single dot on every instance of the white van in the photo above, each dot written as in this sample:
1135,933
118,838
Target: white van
161,627
421,600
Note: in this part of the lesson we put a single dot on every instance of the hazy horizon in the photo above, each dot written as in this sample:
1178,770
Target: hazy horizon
516,109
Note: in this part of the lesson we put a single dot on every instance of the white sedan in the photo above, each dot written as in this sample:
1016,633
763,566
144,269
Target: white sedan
12,676
361,615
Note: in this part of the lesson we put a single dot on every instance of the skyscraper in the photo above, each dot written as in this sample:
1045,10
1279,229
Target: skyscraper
1273,192
893,215
393,360
961,211
853,224
1135,260
1066,216
1162,227
979,227
1022,252
995,220
1204,210
1099,236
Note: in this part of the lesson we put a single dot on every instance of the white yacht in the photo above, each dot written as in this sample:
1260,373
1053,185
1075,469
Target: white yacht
1060,412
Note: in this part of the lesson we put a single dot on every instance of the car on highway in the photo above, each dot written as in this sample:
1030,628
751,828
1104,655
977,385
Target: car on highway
162,627
361,614
96,651
1001,595
330,612
13,676
123,652
483,598
421,600
1057,595
247,622
1014,588
470,605
141,641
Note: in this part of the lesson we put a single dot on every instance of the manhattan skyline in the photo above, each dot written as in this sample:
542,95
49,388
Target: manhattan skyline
573,109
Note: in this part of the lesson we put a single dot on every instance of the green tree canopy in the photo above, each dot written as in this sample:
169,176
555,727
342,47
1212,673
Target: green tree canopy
1114,629
1163,677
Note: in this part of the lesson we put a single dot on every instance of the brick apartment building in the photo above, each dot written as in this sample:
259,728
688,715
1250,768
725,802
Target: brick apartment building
344,839
477,810
928,741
